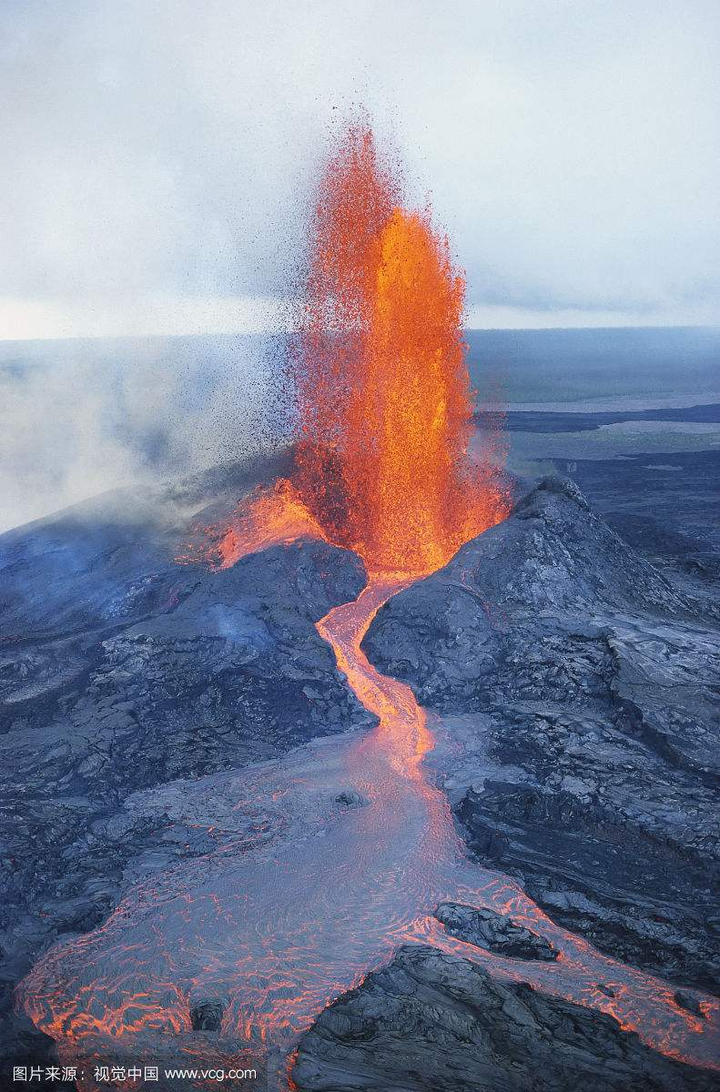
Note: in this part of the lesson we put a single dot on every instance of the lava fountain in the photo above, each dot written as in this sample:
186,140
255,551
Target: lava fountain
384,405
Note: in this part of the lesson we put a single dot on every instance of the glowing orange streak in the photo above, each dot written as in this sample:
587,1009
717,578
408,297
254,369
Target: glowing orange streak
390,700
400,715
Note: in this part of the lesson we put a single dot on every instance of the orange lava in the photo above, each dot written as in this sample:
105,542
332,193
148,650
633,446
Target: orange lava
384,405
392,701
384,393
268,517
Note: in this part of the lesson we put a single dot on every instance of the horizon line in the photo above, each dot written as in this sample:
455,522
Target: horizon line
28,320
715,326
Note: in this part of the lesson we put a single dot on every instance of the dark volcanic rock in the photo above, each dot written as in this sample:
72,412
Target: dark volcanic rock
120,670
667,511
603,875
232,670
351,798
430,1021
497,933
595,684
687,1001
206,1015
552,558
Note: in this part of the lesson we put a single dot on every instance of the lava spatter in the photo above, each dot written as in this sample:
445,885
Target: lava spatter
270,516
384,409
384,400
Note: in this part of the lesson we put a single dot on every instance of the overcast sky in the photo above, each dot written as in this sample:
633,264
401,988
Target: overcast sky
158,155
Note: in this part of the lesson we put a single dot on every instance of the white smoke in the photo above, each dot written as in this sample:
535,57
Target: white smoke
80,417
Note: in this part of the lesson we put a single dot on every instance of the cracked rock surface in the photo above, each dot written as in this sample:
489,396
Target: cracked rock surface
579,741
496,932
430,1021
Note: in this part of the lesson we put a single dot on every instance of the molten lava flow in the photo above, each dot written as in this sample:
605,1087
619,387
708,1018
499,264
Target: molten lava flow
267,518
278,928
402,722
384,393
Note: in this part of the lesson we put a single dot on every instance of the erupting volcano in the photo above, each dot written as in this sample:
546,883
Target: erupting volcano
320,862
384,408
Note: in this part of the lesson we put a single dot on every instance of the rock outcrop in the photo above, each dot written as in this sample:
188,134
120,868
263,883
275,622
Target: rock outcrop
496,932
434,1021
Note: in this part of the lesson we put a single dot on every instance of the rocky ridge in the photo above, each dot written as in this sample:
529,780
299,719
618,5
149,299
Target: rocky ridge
430,1021
578,689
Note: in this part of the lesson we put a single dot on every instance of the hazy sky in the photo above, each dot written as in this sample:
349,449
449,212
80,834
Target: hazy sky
158,154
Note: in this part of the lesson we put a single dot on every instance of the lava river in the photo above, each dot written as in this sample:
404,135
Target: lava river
296,906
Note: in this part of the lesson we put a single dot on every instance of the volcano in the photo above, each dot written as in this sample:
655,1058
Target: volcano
342,769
